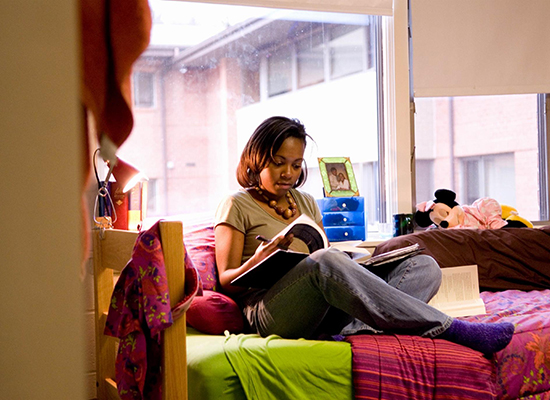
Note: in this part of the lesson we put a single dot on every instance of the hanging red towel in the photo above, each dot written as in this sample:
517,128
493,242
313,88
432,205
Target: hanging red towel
114,34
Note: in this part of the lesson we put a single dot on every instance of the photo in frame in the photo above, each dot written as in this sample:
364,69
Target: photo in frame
338,177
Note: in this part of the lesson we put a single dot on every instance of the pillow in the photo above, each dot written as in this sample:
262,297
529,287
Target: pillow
507,258
199,243
213,313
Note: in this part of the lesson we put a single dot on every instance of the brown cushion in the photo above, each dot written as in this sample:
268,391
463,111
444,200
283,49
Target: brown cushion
507,258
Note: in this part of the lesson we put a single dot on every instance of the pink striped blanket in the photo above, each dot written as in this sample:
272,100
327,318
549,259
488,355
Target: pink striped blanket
400,367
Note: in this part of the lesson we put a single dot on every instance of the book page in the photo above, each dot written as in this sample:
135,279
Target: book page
307,230
459,292
459,284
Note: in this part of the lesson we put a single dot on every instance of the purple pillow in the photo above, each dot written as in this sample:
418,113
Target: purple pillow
199,243
213,313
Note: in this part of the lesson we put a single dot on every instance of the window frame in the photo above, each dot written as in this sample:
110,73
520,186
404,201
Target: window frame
544,159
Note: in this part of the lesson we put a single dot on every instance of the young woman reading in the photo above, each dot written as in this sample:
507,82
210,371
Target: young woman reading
327,293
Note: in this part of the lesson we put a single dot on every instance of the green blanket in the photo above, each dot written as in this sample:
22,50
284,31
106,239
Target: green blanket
276,368
240,367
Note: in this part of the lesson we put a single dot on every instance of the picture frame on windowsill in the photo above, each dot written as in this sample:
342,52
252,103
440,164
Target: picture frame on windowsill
338,177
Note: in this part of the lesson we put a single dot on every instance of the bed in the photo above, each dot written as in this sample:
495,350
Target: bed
208,354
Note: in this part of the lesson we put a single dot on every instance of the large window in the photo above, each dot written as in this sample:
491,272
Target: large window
226,69
482,146
220,70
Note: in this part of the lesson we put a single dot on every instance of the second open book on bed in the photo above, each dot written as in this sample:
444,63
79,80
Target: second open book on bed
264,274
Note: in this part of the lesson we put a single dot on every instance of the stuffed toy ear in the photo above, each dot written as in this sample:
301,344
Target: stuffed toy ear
446,196
422,218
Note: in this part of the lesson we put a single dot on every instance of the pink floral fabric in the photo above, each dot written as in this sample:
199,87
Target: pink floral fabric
523,367
200,244
139,312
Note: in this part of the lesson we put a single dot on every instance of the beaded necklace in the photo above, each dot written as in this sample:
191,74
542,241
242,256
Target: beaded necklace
286,214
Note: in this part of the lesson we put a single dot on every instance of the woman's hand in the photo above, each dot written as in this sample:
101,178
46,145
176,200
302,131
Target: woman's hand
229,252
267,247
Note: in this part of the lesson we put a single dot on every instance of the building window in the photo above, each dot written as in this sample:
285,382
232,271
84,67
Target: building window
311,61
488,176
347,51
424,180
323,52
483,146
152,196
280,71
144,89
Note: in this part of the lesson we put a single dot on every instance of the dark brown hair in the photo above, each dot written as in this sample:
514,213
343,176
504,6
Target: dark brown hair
264,143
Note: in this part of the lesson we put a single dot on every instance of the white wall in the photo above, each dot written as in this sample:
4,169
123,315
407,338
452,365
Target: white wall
328,118
41,307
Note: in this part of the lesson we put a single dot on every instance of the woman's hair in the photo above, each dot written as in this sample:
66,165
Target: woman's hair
264,144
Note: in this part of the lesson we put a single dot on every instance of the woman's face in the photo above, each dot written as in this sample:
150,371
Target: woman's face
284,170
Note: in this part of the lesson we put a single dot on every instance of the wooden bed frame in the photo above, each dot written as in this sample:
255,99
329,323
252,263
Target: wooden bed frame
112,249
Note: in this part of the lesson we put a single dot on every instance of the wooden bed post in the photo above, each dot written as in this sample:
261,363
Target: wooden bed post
174,363
112,249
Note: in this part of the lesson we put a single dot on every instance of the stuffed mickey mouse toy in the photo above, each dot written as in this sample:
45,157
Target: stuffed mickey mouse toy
484,213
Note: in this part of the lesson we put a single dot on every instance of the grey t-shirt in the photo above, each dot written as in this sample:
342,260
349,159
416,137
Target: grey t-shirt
243,213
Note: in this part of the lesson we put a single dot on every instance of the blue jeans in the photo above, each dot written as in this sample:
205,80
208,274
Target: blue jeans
329,293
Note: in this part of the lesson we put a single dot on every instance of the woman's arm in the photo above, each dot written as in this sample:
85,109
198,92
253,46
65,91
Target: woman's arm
229,252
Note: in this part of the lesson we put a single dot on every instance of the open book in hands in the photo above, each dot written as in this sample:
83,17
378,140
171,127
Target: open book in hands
277,264
264,274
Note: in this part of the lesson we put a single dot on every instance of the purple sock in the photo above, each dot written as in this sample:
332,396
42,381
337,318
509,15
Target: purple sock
487,338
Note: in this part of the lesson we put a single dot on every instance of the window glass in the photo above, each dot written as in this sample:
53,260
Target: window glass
347,51
311,60
480,146
222,72
488,176
144,89
424,179
279,63
152,196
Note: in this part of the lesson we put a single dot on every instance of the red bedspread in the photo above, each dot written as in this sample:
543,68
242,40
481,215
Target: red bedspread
399,367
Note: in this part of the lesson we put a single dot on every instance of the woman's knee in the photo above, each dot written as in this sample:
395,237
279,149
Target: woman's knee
429,267
330,257
428,271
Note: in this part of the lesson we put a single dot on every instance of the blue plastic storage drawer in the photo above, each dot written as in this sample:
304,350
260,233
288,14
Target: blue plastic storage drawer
341,204
343,218
342,233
